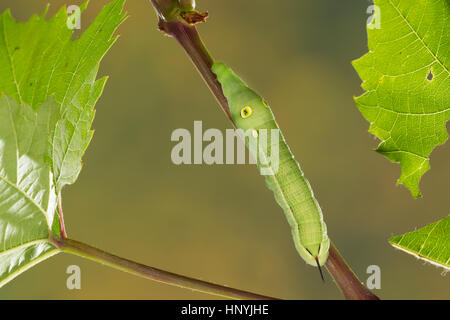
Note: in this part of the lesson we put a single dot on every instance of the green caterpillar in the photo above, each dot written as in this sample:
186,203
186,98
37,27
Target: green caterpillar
292,191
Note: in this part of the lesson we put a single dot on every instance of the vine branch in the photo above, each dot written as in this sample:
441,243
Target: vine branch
137,269
189,39
172,24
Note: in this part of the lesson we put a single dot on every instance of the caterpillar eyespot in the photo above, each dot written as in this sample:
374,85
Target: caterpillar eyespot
246,112
290,187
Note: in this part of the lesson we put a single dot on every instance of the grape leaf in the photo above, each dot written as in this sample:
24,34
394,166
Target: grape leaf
27,194
431,243
48,90
39,59
406,75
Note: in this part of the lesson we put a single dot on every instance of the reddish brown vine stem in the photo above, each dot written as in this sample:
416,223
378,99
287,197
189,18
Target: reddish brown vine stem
345,278
189,39
141,270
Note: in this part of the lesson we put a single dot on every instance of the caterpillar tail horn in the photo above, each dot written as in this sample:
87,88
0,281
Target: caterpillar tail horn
320,269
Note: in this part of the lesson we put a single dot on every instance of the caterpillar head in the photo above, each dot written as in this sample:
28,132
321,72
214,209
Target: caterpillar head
247,108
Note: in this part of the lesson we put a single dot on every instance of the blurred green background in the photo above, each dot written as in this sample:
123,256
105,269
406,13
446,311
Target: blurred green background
220,223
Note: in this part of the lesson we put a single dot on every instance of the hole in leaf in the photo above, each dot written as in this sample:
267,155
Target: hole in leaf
430,76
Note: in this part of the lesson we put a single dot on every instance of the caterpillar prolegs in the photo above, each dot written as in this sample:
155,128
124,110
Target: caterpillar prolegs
292,190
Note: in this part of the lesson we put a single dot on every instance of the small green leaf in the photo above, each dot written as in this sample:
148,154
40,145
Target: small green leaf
39,59
28,198
19,259
406,75
431,243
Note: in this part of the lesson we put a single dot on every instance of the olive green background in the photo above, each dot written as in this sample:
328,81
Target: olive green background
220,223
